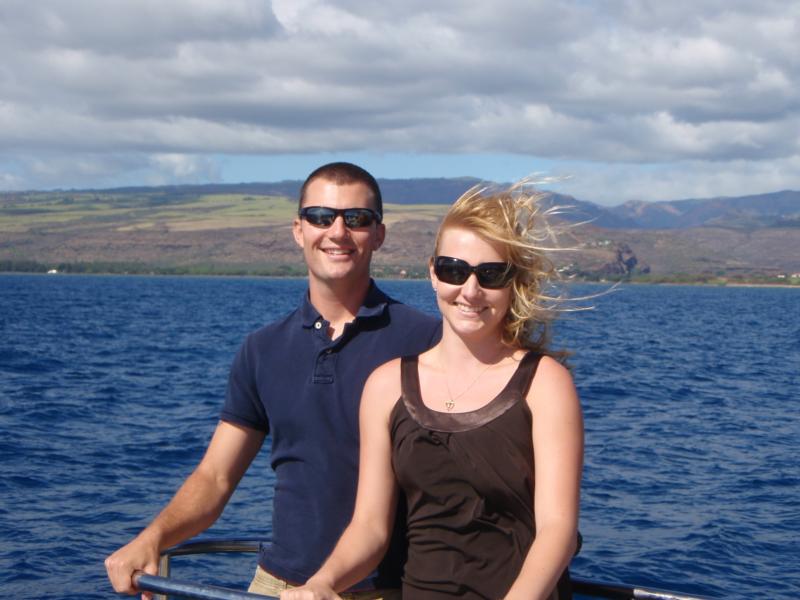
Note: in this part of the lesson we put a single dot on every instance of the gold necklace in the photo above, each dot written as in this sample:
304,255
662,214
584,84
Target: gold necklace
451,403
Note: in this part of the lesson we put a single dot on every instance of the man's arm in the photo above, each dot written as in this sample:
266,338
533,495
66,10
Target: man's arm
195,506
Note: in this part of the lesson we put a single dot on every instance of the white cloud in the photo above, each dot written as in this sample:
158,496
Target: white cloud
10,181
183,168
612,185
666,86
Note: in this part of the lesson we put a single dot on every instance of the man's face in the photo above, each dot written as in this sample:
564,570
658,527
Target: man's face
337,254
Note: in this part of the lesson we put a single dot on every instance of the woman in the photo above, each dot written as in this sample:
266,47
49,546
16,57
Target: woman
483,432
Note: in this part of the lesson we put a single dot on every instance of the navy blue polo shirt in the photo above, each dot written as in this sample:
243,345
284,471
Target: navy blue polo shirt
292,381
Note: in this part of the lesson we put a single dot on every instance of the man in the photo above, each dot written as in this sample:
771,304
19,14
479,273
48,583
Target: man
300,380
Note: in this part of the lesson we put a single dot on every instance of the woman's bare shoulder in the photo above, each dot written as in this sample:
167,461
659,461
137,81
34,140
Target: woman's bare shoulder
550,368
552,380
386,372
382,388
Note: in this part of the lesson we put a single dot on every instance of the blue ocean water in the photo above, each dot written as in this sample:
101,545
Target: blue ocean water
110,388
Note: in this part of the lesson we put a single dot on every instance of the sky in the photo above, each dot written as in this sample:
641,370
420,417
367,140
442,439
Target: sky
606,100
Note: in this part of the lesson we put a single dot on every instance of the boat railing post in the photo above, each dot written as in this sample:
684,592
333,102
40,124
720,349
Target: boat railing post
163,571
201,546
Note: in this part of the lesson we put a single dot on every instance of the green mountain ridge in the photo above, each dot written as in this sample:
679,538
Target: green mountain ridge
240,228
750,211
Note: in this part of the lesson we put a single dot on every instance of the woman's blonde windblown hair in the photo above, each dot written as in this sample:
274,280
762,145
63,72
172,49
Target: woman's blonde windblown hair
517,221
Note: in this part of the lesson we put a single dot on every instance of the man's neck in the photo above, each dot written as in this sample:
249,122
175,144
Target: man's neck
338,304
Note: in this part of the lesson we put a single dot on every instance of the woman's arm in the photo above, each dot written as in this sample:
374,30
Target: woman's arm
558,460
366,538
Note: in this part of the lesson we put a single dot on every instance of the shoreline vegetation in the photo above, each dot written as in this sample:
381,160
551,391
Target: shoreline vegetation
378,271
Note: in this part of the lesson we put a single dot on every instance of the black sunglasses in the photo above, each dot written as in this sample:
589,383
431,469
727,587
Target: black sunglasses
490,275
323,216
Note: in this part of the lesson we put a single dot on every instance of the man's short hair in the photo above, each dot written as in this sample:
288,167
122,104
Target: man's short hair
345,173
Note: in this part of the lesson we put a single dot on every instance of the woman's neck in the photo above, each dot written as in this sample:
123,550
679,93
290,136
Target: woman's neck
454,351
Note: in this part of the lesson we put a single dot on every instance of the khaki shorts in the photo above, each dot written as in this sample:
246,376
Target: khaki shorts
269,585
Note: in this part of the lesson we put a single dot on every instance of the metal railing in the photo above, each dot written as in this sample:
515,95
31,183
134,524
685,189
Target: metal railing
163,585
182,589
205,546
623,591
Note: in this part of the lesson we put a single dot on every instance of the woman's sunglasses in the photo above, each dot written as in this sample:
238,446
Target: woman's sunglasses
490,275
323,216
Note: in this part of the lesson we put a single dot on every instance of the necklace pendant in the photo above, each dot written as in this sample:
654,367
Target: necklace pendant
449,404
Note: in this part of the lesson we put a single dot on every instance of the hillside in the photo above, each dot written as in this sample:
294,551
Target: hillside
244,228
778,209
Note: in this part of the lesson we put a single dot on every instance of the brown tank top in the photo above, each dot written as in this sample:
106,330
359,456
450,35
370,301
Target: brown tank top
468,481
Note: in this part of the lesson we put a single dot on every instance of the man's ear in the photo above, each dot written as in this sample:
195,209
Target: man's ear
380,235
297,232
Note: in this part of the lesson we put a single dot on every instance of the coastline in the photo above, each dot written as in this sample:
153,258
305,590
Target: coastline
766,285
379,273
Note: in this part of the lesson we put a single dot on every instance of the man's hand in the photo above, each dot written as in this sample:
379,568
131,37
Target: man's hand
138,555
193,509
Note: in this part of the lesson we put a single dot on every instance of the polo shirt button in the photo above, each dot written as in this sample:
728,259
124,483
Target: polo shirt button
318,325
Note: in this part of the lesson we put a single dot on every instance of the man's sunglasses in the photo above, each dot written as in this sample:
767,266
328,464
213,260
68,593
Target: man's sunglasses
490,275
323,216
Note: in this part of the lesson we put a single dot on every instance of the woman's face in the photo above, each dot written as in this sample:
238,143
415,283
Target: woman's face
469,309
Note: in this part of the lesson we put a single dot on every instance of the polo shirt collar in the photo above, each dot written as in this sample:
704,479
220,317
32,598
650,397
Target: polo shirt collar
373,306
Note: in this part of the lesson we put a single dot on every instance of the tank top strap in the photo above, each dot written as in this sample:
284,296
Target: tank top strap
409,385
520,381
409,378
